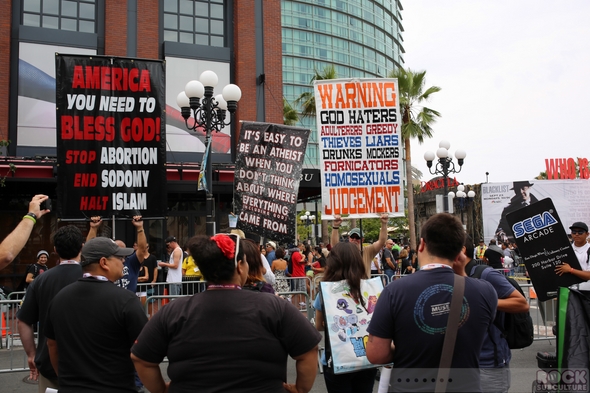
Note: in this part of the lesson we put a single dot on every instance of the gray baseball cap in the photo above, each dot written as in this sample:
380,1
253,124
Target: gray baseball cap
99,247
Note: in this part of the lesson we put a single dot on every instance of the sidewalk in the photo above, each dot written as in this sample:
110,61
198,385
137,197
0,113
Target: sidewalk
523,366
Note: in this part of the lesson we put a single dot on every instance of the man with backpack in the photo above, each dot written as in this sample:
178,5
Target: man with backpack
495,355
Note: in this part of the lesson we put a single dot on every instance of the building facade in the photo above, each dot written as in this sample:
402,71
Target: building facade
239,40
360,38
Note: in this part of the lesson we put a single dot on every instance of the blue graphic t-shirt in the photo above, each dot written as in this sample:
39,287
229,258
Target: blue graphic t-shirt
413,312
130,273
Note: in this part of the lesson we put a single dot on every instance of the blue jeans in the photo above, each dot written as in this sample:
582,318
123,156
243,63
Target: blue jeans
357,382
495,379
389,273
174,289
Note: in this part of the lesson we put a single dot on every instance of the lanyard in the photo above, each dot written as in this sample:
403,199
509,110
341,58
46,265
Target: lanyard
223,286
434,266
69,262
101,278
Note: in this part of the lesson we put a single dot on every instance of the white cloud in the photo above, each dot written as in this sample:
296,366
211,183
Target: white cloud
514,78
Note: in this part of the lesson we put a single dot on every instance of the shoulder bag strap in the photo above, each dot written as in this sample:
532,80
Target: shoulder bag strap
446,357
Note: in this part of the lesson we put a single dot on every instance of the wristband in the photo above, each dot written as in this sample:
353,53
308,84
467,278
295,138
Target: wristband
31,217
335,227
139,231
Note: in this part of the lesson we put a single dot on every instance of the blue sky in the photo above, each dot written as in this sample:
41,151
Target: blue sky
515,79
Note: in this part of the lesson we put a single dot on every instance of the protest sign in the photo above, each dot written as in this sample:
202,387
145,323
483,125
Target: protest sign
360,143
268,171
543,244
110,136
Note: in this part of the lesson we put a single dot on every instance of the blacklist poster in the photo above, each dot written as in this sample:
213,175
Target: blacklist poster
268,170
110,136
543,245
360,143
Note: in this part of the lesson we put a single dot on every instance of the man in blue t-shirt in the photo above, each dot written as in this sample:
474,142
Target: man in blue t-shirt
495,355
133,262
410,319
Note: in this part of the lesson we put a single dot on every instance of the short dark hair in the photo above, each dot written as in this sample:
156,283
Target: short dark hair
280,252
444,236
68,242
214,266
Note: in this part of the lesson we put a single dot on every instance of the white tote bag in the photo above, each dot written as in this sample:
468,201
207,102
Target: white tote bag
347,321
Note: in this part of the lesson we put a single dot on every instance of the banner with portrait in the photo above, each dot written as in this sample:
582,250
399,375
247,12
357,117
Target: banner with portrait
570,197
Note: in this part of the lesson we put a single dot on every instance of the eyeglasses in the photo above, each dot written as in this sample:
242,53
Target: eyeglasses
580,232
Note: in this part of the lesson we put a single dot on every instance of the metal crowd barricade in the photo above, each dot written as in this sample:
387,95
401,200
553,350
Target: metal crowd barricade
304,301
543,313
12,355
20,295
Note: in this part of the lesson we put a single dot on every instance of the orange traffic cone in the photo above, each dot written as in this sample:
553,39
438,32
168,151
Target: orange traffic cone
165,301
4,327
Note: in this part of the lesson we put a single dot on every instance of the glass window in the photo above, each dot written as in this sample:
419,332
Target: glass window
69,8
202,9
171,6
186,7
186,23
217,41
217,27
69,24
217,11
50,22
70,15
32,6
170,21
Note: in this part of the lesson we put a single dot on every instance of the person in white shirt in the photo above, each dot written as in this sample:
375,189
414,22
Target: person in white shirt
174,265
581,247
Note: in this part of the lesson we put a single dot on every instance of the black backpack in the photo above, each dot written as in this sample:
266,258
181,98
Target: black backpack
518,328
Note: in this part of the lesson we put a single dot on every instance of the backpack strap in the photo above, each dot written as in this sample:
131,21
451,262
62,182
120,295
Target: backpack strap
446,356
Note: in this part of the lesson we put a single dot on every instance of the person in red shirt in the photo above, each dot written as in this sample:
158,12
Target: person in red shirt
298,282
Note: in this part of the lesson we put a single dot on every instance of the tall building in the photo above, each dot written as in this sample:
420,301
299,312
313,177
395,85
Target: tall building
361,38
239,40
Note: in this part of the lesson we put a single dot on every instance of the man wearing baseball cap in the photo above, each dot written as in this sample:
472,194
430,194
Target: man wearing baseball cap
355,236
93,323
271,248
579,231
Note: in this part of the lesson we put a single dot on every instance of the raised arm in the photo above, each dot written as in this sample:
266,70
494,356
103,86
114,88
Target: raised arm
16,240
95,222
335,237
141,238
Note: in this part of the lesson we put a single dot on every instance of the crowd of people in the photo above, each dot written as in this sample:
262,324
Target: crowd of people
93,333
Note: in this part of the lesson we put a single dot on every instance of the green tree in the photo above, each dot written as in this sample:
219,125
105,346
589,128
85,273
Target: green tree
307,99
416,122
290,115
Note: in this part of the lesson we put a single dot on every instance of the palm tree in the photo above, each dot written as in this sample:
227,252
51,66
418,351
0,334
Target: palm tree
416,123
290,116
307,99
307,103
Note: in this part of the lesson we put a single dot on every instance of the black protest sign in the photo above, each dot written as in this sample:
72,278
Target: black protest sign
268,171
110,136
543,245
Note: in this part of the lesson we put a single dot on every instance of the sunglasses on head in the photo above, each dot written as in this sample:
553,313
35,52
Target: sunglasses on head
579,232
356,237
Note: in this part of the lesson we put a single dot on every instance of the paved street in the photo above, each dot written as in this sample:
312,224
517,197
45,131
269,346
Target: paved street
524,368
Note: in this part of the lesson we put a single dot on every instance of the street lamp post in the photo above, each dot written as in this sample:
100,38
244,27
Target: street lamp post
462,195
208,112
445,166
307,220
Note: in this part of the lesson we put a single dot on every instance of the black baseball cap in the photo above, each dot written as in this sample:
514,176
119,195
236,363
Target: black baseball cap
580,225
99,247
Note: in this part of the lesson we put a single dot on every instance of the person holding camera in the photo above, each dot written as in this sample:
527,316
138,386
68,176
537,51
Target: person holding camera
12,245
